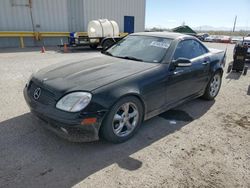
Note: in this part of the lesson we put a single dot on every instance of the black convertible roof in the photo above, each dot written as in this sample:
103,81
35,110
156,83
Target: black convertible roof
171,35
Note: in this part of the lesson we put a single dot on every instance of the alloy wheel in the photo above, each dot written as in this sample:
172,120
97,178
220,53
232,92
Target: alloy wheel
125,119
215,85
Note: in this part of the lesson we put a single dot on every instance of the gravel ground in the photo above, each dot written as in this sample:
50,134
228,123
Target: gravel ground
199,144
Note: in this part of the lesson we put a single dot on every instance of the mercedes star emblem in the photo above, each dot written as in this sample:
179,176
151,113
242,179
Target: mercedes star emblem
37,93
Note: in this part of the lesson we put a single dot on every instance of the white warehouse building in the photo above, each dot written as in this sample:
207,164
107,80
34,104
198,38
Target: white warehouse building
66,16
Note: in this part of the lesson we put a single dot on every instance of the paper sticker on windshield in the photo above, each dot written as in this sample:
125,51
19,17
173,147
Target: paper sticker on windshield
159,44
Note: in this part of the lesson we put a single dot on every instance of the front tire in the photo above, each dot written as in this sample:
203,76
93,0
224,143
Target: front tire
123,120
213,86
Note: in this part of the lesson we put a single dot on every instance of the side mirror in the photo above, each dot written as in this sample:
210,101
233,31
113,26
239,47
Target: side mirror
182,62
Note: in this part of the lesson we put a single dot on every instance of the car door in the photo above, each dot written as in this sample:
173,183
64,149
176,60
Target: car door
186,81
200,66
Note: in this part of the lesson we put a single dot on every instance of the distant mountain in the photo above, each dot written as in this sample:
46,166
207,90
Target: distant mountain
203,28
211,28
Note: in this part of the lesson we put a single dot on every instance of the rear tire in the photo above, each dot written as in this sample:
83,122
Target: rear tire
213,86
107,43
123,120
93,46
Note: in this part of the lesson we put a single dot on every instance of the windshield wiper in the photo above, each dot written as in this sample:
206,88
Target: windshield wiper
106,53
123,57
130,58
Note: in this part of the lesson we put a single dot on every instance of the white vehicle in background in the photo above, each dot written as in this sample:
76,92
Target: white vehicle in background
202,36
209,38
236,39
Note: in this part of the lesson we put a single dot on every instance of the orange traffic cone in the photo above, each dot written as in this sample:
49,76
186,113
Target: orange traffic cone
43,50
65,48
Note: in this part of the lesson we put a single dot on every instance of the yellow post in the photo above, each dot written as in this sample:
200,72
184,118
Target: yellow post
21,42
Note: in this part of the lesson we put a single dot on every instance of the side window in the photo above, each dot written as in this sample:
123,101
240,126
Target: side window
198,49
181,50
189,49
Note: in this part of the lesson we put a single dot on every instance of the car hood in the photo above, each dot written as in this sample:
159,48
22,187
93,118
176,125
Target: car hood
88,74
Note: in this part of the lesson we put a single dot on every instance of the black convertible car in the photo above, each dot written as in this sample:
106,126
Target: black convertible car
137,78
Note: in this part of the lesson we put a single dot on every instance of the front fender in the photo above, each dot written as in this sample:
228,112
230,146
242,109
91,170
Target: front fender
109,95
148,86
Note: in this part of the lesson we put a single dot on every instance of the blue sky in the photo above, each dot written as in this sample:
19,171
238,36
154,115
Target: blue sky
216,13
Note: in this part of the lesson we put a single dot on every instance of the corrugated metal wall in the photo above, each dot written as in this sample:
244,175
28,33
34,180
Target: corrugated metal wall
64,15
115,10
50,15
76,15
14,17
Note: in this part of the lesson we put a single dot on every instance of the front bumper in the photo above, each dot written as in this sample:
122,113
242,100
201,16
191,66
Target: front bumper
65,124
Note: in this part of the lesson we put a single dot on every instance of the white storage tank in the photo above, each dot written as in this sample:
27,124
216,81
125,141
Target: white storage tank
102,28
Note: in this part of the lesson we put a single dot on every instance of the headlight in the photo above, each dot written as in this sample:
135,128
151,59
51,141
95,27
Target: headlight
74,102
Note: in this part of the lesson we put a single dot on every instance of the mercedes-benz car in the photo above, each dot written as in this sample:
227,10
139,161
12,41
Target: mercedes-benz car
137,78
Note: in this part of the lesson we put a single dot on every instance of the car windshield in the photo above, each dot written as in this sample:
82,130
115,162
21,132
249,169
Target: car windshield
140,48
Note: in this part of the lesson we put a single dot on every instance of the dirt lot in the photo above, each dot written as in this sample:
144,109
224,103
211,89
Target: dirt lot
199,144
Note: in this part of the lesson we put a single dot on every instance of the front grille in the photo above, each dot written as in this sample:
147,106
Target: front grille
46,97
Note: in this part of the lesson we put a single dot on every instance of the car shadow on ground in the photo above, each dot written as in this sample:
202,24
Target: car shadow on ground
32,156
233,75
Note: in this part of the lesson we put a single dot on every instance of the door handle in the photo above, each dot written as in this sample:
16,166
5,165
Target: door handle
178,72
206,62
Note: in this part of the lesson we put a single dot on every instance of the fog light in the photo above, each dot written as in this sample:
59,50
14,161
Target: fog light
88,121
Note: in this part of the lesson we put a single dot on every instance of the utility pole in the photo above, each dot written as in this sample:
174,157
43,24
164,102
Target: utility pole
235,19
